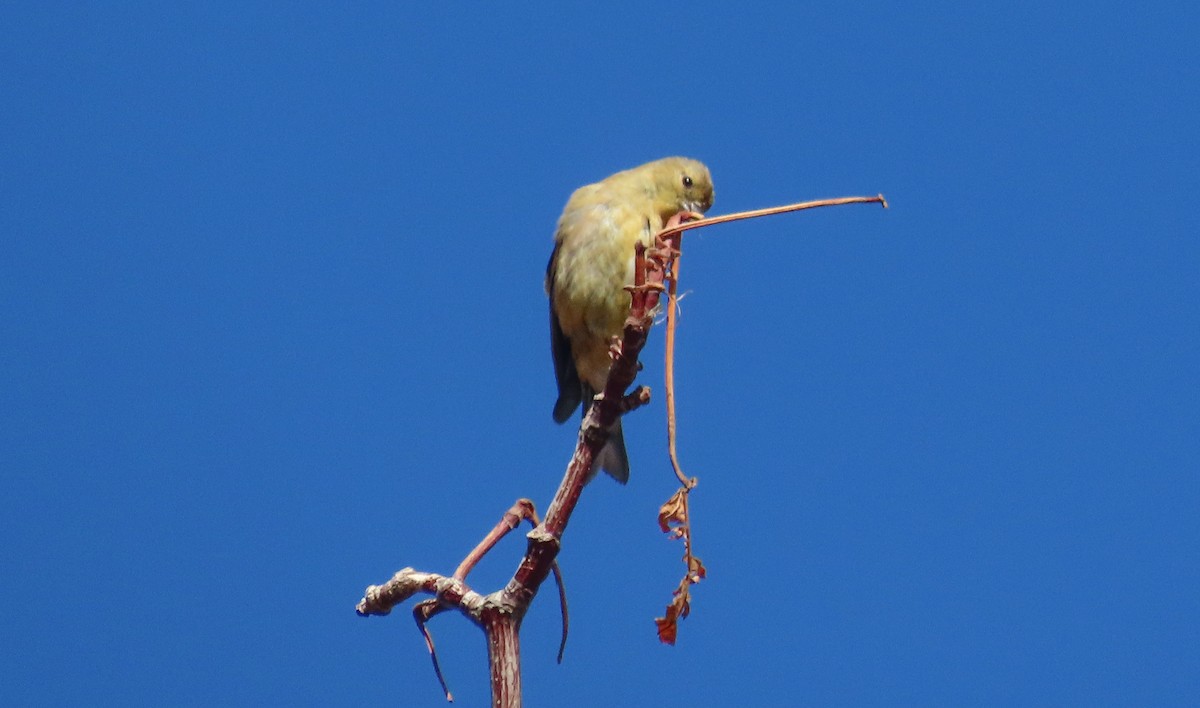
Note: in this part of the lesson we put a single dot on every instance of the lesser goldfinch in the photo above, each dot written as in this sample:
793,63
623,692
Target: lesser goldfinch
591,264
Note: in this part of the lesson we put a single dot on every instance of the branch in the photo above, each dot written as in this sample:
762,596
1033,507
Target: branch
500,613
380,599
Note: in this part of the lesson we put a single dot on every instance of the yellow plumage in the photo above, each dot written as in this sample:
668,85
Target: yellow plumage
591,264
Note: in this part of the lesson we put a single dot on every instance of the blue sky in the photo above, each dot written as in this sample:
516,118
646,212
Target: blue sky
272,327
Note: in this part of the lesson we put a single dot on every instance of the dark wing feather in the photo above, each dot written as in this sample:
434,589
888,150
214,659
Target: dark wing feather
570,390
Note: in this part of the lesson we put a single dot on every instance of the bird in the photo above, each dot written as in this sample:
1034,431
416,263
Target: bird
590,266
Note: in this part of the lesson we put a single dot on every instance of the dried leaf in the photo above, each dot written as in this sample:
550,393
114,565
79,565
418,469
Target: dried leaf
683,600
667,628
674,511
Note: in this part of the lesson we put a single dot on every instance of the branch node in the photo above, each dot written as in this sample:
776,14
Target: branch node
639,397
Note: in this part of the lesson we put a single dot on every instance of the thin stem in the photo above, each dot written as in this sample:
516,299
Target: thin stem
738,216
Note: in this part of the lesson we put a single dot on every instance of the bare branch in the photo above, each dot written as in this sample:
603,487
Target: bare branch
500,613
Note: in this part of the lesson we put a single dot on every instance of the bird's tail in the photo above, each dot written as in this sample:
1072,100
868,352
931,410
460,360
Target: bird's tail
612,458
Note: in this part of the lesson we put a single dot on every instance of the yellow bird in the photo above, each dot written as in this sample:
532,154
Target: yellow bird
591,264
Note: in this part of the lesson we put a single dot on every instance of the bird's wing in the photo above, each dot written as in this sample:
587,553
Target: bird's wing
570,391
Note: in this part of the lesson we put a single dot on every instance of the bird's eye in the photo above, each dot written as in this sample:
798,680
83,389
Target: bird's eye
687,181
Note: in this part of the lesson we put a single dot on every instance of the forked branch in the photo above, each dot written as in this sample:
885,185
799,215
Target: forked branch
500,613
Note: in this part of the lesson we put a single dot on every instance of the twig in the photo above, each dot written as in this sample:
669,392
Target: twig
562,608
422,612
674,517
675,254
521,509
770,211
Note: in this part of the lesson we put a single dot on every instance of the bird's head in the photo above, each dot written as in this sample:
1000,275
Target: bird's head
683,184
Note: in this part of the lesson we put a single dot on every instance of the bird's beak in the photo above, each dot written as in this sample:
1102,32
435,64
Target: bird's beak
699,206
